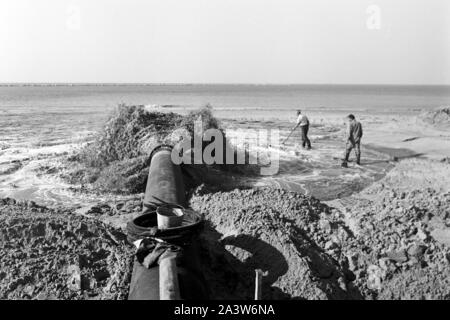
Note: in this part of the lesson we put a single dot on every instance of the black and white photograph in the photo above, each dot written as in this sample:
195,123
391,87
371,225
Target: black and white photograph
255,151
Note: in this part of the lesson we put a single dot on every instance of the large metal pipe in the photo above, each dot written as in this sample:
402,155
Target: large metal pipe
165,186
165,181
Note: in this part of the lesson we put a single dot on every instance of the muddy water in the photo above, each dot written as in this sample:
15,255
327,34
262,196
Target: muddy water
33,139
318,171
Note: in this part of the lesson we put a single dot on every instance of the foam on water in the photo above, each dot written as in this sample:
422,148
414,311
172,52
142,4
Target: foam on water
21,177
318,171
32,138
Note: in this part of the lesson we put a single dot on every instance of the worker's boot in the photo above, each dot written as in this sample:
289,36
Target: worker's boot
344,165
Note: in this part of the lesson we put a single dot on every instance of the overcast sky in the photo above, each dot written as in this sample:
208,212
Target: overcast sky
225,41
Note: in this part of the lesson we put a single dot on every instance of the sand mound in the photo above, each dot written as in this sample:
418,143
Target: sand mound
58,255
439,118
133,131
118,159
384,247
394,242
294,238
397,252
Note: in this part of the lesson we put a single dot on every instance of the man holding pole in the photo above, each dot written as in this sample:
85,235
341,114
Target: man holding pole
303,122
353,140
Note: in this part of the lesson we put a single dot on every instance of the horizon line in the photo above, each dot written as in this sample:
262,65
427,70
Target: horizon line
2,84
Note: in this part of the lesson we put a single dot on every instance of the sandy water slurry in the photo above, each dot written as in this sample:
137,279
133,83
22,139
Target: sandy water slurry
32,138
26,161
318,171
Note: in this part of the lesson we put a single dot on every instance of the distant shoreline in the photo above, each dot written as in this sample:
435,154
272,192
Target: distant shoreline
106,84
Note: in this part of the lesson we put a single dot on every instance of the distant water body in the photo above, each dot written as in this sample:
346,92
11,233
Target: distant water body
372,98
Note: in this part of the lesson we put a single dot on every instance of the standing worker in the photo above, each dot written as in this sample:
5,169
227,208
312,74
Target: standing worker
353,140
303,122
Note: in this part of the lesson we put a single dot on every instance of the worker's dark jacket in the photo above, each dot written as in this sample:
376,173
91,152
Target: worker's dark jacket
355,132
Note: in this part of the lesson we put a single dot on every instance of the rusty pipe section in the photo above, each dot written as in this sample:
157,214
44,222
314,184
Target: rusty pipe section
165,185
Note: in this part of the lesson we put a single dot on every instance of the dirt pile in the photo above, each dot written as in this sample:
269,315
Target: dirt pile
439,118
292,237
379,244
48,254
396,253
394,245
392,241
118,159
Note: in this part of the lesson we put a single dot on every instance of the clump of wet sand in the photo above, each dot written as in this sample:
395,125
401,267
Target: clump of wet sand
55,254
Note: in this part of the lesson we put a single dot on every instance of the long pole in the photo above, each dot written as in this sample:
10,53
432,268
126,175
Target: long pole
258,284
292,131
169,288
